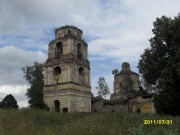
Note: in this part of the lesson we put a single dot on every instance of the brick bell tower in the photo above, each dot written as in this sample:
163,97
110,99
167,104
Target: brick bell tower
67,72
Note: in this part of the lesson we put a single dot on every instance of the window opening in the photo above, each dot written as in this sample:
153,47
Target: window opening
65,109
81,71
56,73
59,50
121,84
79,51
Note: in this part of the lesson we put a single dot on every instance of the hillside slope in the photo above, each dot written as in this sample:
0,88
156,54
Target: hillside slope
38,122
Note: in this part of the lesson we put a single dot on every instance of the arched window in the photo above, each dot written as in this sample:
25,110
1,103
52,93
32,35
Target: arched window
81,71
58,50
56,73
57,70
81,75
79,51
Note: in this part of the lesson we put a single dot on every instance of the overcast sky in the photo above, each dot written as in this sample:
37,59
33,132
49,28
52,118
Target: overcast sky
115,30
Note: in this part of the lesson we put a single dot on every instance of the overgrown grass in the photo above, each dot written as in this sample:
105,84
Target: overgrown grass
39,122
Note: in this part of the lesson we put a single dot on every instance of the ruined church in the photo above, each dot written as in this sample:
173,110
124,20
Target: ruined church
128,95
67,72
125,82
67,79
127,85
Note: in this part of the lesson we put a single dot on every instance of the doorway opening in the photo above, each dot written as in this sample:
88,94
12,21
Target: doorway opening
56,106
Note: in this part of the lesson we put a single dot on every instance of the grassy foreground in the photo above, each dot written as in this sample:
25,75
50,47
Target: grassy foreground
39,122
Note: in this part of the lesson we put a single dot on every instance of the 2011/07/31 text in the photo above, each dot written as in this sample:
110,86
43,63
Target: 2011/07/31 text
158,122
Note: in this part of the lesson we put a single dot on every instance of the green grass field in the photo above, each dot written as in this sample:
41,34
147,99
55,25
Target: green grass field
39,122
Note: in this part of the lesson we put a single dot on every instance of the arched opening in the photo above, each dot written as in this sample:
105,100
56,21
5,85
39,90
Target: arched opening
57,70
81,75
81,71
58,50
56,73
121,84
56,106
69,31
79,51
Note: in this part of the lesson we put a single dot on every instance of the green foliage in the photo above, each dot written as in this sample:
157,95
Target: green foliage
127,87
92,95
142,92
115,72
9,102
39,122
35,77
160,65
103,88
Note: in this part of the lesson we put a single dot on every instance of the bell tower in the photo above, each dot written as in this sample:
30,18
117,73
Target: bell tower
67,72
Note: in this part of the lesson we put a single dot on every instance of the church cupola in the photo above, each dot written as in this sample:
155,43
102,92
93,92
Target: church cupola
126,66
68,30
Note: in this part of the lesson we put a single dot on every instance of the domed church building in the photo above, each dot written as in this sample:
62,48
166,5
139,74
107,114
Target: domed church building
126,81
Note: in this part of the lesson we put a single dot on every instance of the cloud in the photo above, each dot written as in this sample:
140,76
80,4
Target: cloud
12,60
18,91
21,16
2,95
124,26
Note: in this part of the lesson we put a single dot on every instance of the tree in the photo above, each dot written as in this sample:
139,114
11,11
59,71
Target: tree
115,72
160,65
103,88
9,102
35,77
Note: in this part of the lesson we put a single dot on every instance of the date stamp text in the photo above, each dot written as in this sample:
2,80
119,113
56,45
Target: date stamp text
158,122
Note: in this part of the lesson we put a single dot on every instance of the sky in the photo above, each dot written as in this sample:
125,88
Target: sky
115,30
